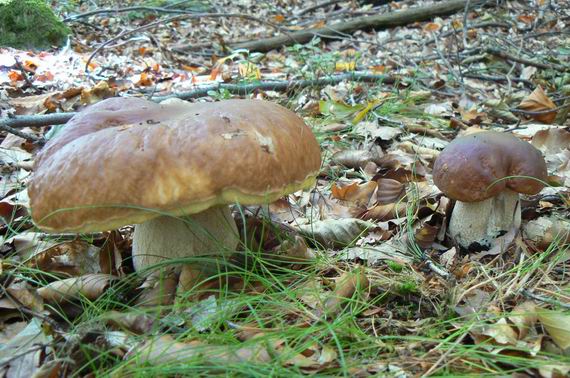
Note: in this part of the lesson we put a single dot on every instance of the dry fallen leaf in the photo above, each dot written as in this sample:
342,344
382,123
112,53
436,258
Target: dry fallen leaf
347,285
524,317
90,286
557,324
335,232
359,194
356,158
166,350
538,101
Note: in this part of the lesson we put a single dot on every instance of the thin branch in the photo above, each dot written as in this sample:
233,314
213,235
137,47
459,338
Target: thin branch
542,298
317,6
24,73
19,122
499,79
501,54
21,134
243,89
379,21
127,9
539,112
237,89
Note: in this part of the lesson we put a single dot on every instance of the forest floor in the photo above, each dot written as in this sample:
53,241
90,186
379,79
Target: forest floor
356,277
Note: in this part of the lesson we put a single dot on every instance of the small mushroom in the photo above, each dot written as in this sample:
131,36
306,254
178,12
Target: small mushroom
171,169
485,172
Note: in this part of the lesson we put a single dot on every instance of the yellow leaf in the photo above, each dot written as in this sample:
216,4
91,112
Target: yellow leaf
361,114
345,66
249,70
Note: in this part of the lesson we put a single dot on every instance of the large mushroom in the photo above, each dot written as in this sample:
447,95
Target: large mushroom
485,172
171,169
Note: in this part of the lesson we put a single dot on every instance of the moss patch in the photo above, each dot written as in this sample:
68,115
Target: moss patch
30,24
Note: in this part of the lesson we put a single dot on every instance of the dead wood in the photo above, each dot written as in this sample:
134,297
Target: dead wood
8,124
380,21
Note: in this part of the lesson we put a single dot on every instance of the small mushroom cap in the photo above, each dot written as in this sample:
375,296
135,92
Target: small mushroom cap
473,168
128,160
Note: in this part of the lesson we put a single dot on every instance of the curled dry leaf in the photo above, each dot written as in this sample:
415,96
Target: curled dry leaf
25,296
292,251
335,232
545,230
538,101
392,250
424,152
347,285
159,288
356,159
90,286
359,194
425,235
389,191
334,127
165,349
313,358
524,317
557,324
99,92
554,143
388,212
138,323
72,258
500,332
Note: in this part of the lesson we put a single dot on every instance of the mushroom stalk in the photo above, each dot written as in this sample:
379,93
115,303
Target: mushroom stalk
475,225
211,232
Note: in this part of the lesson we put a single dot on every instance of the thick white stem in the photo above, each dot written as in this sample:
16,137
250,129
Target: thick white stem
482,222
211,232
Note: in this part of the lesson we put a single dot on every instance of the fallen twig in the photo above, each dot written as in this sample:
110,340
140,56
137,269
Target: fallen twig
499,79
238,89
541,298
40,120
501,54
243,89
26,136
317,6
126,9
387,20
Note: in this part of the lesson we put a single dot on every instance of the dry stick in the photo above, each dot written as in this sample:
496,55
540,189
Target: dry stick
499,79
317,6
127,9
541,298
24,73
179,18
240,89
21,134
527,62
388,20
539,112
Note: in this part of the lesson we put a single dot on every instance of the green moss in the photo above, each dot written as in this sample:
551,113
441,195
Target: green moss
30,24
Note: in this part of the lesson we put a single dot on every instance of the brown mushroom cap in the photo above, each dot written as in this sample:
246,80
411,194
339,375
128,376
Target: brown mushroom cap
472,168
128,160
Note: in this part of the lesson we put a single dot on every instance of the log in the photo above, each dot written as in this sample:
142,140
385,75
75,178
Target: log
381,21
